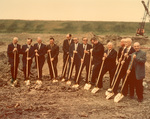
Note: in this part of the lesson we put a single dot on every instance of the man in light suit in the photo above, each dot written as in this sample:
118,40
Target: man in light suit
138,70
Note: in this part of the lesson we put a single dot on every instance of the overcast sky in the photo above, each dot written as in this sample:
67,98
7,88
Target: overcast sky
89,10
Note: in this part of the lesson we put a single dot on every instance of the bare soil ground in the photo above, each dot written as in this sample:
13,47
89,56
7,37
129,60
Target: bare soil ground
58,101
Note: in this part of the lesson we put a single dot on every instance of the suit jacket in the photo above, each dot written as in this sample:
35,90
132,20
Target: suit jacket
10,53
127,60
81,52
66,46
98,53
71,49
110,61
54,52
31,52
41,51
119,53
139,64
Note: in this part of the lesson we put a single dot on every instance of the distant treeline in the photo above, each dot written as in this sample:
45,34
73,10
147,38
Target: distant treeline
63,27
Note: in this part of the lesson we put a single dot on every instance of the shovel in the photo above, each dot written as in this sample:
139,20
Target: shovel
120,96
64,70
77,85
27,73
96,87
69,76
111,93
54,80
87,86
110,89
38,82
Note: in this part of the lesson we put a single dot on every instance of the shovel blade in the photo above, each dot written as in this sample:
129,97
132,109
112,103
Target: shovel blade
109,90
38,84
55,81
95,90
27,82
68,83
109,95
75,86
87,86
15,83
118,97
63,79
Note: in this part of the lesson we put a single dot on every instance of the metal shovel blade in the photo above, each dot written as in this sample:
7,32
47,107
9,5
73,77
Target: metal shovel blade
38,84
118,97
68,83
109,90
75,86
63,79
87,86
15,82
109,95
55,81
95,90
27,82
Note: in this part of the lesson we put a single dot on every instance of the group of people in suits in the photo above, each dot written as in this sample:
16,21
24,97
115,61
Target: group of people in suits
79,56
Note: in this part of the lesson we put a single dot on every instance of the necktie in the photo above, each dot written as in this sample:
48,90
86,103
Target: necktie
108,52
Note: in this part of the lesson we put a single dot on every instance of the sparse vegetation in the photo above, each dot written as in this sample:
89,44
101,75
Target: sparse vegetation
63,27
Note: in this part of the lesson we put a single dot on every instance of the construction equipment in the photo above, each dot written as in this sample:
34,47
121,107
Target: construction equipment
140,30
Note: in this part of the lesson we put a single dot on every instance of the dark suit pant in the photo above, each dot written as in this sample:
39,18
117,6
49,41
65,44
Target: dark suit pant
111,74
95,73
77,66
86,65
41,63
50,69
24,68
64,63
14,76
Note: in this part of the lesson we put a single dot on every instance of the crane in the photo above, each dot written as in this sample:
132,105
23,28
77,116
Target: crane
140,30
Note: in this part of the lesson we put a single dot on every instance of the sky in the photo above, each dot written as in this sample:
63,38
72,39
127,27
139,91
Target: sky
85,10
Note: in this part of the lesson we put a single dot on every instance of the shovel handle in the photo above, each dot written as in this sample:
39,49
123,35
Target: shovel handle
51,64
90,68
80,68
37,63
126,76
65,67
100,72
27,64
71,67
15,63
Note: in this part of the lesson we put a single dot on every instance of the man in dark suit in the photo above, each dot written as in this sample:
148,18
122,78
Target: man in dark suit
53,49
74,49
122,46
138,70
27,49
127,54
13,52
84,48
66,45
98,52
109,63
40,50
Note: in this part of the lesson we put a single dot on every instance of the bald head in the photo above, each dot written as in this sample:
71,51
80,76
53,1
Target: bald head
68,36
128,42
122,42
110,45
39,40
15,40
136,46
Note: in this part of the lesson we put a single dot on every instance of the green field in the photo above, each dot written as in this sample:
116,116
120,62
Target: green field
76,27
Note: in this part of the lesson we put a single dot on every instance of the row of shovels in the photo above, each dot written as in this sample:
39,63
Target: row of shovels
109,93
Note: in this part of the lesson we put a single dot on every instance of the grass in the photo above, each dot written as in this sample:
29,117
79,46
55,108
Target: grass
76,27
